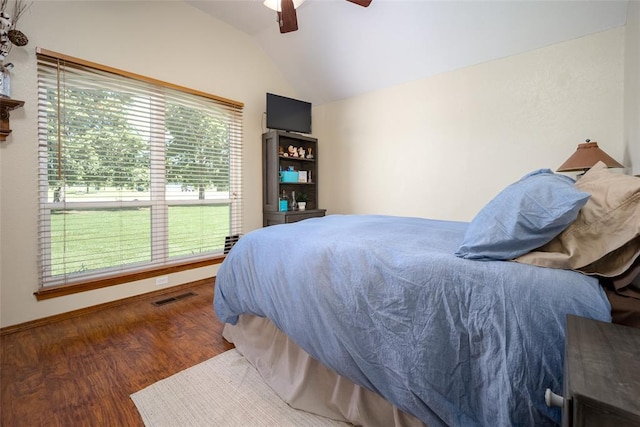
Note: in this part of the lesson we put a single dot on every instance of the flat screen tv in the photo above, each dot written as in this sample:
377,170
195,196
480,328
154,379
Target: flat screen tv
288,114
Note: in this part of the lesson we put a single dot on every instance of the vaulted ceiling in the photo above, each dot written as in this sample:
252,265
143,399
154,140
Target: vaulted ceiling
342,50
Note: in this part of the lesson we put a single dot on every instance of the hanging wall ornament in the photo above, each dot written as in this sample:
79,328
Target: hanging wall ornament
5,20
9,34
17,37
4,51
5,80
5,25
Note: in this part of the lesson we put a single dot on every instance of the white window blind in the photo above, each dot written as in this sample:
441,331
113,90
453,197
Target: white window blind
134,173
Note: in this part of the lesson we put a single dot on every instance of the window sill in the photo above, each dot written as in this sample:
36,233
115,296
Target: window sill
59,291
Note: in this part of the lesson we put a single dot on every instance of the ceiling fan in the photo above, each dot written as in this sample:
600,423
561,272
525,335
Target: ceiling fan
287,18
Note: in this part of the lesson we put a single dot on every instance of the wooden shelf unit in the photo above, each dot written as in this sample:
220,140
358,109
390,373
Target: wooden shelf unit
6,105
273,163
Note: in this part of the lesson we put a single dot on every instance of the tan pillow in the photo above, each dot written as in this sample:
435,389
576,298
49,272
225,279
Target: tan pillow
608,221
621,259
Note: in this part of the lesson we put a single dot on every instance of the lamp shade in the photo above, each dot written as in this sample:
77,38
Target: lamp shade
587,155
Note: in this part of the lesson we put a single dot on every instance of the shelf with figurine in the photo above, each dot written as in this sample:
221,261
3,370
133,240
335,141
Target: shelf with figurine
296,153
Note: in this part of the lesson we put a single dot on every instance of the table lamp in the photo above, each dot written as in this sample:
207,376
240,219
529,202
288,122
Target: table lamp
587,155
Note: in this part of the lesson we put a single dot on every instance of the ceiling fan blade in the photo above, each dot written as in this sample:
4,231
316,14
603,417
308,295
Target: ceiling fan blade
363,3
287,17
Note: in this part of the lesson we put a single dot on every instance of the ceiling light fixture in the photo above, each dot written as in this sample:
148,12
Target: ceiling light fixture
275,4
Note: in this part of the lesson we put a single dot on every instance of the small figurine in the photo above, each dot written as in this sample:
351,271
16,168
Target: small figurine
301,152
309,153
281,152
292,151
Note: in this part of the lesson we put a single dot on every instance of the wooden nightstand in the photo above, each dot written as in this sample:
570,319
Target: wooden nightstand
601,374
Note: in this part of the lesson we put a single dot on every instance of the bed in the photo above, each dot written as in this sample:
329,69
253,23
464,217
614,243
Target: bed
386,320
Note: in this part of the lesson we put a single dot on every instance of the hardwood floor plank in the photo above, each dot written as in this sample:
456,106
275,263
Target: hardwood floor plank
82,370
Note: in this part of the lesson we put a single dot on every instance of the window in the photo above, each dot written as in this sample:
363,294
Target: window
135,174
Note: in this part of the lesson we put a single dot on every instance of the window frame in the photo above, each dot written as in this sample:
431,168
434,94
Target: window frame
103,277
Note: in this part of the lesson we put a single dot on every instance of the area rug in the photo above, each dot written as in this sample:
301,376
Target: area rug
223,391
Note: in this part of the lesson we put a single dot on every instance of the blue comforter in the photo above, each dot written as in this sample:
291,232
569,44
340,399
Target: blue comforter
385,302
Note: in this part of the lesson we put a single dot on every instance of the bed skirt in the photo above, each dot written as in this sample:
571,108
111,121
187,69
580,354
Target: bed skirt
305,383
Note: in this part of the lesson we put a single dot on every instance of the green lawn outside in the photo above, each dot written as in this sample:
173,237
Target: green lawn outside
91,242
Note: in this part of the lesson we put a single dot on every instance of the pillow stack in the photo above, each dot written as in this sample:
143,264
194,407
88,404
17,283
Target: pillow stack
591,226
605,237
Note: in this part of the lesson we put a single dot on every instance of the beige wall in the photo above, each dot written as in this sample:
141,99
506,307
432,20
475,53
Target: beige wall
170,41
439,147
632,87
442,147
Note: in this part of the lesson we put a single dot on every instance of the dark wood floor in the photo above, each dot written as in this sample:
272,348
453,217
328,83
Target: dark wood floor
81,371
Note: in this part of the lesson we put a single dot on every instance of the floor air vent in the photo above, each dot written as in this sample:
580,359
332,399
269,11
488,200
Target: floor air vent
229,241
174,299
